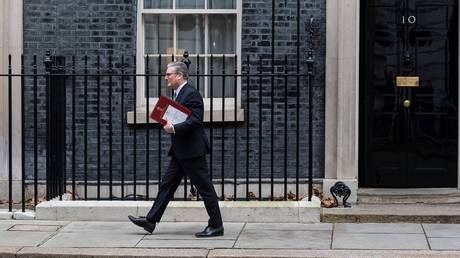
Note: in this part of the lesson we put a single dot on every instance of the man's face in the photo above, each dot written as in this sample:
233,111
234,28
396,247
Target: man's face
173,79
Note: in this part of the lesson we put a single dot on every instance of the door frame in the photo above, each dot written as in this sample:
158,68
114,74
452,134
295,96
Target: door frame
342,94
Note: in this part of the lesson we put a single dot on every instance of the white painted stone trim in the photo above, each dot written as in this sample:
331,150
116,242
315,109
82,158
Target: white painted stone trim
229,115
458,133
140,66
182,211
11,42
342,89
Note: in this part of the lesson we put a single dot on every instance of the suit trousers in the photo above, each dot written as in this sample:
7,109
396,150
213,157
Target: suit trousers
197,170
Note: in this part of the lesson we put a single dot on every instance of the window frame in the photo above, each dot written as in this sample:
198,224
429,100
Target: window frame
140,65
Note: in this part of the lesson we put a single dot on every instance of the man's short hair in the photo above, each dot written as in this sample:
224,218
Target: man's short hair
179,67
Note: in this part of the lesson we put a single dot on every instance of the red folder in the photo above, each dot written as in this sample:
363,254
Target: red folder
176,111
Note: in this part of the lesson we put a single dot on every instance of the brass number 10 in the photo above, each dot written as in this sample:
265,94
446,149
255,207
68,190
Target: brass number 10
411,19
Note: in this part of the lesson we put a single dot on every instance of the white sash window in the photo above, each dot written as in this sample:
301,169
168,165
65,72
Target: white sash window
204,28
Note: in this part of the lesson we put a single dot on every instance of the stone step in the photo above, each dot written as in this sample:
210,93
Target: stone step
408,196
392,213
182,211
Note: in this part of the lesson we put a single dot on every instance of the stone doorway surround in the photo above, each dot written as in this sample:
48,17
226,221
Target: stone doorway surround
11,42
342,95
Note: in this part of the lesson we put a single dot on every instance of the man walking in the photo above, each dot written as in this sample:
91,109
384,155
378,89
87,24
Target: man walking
189,146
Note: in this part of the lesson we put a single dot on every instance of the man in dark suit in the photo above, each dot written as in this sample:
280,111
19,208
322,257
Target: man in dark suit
189,146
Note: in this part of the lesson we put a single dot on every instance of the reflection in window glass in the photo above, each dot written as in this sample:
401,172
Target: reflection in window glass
221,4
217,82
222,38
204,34
155,66
163,4
190,33
193,78
158,33
190,4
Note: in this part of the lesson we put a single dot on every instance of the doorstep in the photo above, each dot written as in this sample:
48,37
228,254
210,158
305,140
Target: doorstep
391,213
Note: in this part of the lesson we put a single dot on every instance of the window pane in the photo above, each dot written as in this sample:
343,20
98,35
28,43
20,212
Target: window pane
222,36
190,4
190,33
193,78
156,79
158,33
164,4
222,4
217,81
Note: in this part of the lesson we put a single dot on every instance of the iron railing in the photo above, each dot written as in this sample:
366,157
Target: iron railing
69,97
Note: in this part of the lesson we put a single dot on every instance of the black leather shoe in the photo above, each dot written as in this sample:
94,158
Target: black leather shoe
143,223
211,232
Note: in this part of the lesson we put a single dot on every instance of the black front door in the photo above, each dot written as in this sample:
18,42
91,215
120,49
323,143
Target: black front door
408,93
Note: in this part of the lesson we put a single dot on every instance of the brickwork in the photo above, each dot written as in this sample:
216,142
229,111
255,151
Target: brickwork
108,28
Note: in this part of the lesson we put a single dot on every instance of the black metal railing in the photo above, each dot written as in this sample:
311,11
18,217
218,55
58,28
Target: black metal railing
74,114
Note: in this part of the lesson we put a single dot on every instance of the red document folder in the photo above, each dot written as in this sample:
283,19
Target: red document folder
167,109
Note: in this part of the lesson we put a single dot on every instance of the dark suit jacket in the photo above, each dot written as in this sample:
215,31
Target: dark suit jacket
189,139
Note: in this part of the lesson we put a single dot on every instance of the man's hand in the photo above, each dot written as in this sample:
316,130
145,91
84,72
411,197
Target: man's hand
169,128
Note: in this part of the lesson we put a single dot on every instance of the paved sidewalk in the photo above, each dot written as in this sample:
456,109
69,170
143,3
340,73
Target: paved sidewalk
34,238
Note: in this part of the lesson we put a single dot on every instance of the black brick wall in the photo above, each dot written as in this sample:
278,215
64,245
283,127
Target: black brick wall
257,43
81,28
108,28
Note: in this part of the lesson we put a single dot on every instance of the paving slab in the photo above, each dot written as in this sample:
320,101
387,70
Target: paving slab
94,239
43,252
21,238
101,226
288,226
5,226
442,230
35,222
82,238
35,228
379,241
196,243
445,243
391,228
187,230
284,238
272,253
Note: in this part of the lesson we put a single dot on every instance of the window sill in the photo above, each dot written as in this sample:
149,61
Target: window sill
229,116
